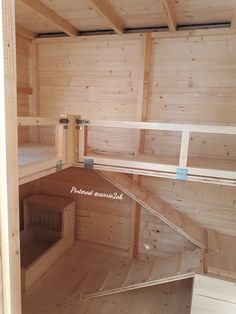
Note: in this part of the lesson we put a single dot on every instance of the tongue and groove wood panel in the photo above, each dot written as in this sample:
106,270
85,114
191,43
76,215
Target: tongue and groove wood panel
213,296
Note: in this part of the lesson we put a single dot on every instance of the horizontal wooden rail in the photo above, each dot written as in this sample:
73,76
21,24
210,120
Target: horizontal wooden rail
31,121
195,128
182,168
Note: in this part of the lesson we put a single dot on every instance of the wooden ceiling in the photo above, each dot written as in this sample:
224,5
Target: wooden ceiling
73,16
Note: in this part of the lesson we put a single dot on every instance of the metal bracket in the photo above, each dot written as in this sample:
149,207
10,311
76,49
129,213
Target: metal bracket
181,174
82,121
88,163
58,165
65,122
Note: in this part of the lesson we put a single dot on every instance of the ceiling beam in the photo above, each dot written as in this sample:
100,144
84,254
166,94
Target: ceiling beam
21,30
49,14
233,21
170,14
102,9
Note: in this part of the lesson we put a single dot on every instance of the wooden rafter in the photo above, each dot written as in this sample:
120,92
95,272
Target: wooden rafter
170,14
21,30
102,9
165,212
49,14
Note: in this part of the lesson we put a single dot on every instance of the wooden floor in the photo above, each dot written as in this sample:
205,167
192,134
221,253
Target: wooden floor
54,292
30,154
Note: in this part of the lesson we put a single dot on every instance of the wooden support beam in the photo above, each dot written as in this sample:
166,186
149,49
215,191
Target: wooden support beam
49,14
233,21
143,95
34,79
101,7
170,14
183,159
135,229
72,141
22,31
165,212
9,199
142,112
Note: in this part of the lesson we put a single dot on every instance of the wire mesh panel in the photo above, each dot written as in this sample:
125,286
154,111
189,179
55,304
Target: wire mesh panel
36,144
113,140
163,142
36,135
159,146
213,151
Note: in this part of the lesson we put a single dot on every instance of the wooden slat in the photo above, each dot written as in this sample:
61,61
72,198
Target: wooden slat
49,14
158,208
101,7
197,128
28,121
139,274
21,30
9,198
170,14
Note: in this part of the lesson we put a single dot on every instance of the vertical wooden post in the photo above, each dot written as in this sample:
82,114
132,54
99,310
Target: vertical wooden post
9,199
33,76
183,159
142,112
83,135
61,142
72,141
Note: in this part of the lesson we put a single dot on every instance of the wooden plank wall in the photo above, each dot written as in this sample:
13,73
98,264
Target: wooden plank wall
213,206
98,220
192,80
107,222
93,78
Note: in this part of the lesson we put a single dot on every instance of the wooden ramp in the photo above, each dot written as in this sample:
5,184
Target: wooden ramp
165,212
135,274
213,296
